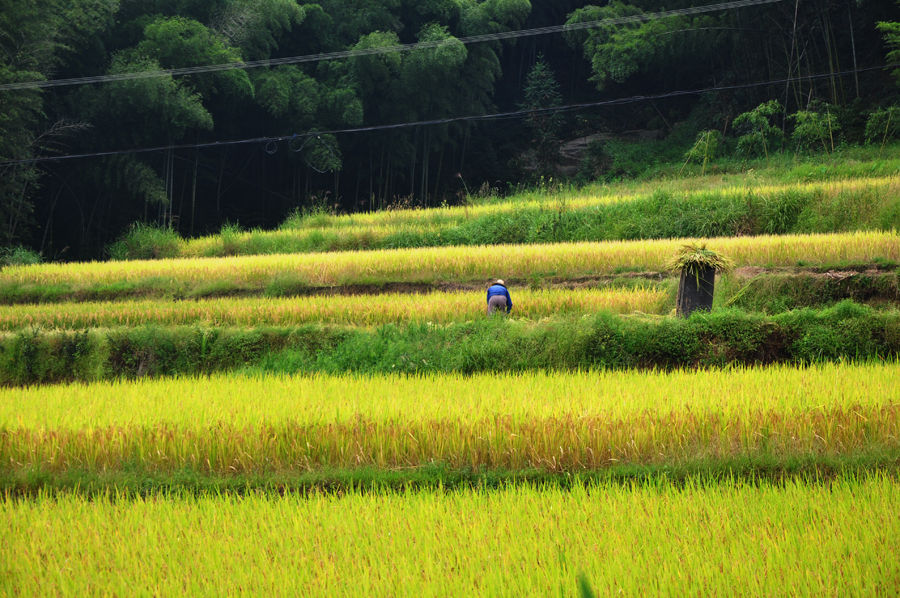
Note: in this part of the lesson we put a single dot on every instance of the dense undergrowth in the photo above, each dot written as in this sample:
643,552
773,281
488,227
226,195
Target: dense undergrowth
845,331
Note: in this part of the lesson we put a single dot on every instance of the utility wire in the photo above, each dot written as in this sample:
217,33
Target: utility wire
475,39
269,141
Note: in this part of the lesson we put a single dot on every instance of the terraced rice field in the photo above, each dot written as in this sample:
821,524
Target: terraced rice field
769,479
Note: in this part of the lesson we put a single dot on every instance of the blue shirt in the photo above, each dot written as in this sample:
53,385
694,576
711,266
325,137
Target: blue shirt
499,289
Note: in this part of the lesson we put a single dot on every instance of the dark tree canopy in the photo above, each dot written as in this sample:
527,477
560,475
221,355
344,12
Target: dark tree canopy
74,208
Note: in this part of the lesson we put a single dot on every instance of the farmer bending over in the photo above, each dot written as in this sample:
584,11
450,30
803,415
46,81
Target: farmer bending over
498,297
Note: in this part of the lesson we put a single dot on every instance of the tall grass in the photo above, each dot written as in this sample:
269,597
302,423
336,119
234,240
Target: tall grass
710,539
596,214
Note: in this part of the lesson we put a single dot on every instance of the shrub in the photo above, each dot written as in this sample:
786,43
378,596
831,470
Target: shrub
18,256
758,136
231,238
705,148
883,125
145,242
812,129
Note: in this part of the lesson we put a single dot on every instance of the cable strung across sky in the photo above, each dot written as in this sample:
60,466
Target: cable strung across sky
442,121
475,39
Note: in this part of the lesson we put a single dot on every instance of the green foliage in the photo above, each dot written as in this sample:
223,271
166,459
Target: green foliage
776,293
883,125
173,106
891,32
231,237
18,256
288,93
707,147
758,135
34,357
129,175
618,52
35,38
85,203
176,42
542,93
257,26
661,214
146,241
813,129
323,153
845,331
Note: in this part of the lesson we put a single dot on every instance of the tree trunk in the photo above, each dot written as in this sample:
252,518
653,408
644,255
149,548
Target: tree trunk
219,184
194,189
437,179
412,165
853,47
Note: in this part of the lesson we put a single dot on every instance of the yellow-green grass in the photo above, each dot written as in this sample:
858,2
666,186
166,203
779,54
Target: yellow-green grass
553,422
356,310
703,539
595,195
565,260
373,227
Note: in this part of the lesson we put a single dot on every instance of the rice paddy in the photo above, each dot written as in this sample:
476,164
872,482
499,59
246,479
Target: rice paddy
354,310
558,422
763,480
796,538
566,260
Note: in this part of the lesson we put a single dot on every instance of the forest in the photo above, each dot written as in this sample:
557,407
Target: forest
360,124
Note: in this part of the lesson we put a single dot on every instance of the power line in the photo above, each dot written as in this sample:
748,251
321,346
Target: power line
268,141
475,39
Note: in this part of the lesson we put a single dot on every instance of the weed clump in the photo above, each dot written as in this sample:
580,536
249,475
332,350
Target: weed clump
146,242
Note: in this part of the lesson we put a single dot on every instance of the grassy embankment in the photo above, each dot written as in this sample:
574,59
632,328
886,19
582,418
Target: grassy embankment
845,332
868,204
853,190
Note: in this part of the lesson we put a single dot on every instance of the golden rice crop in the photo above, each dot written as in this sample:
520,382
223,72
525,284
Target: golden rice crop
565,260
359,310
556,422
704,539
